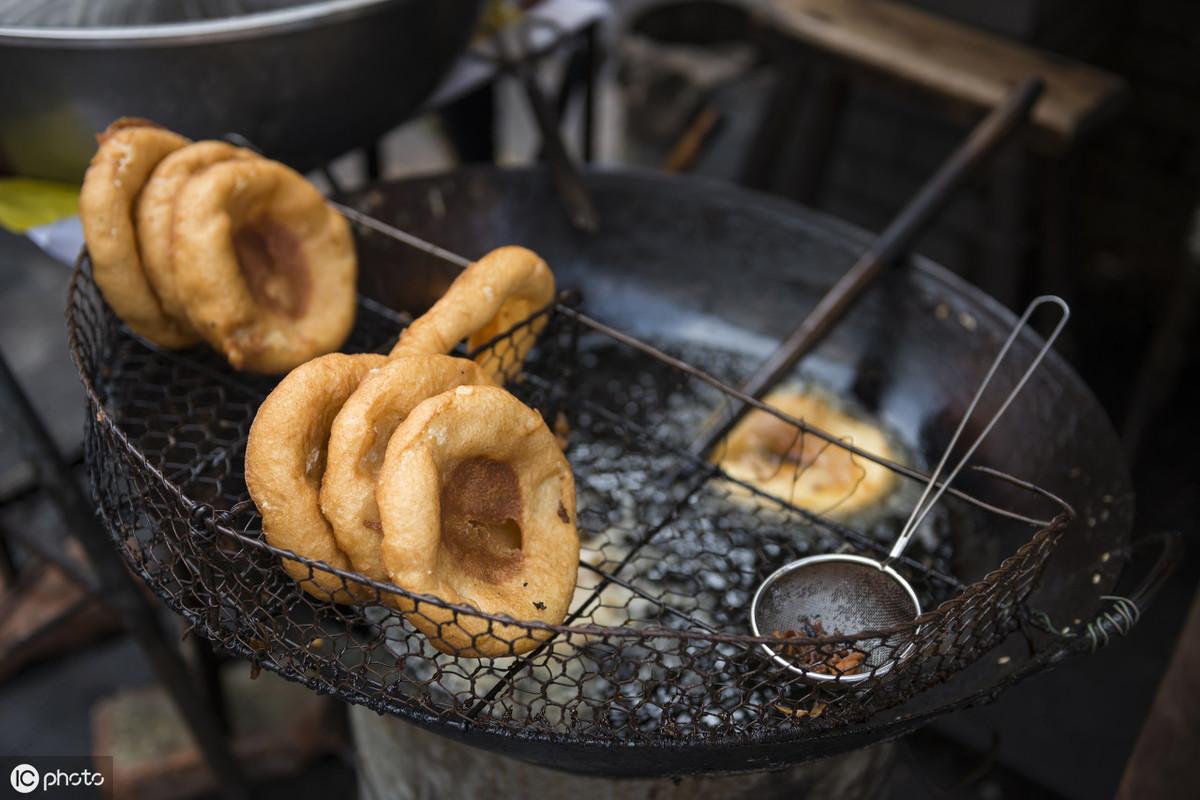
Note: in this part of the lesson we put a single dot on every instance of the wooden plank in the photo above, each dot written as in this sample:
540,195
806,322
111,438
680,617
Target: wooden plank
1016,18
278,728
1163,763
46,614
950,60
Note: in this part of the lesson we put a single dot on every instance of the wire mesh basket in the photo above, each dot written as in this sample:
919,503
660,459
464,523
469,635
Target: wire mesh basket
656,646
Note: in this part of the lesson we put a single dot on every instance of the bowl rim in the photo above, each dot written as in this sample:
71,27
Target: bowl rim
280,20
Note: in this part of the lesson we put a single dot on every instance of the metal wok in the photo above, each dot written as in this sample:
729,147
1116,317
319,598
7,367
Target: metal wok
306,83
686,260
692,266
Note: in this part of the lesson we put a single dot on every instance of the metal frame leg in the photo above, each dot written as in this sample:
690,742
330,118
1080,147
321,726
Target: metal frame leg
8,566
591,65
1059,236
121,591
373,160
208,673
470,124
1165,358
581,72
796,135
1002,271
816,136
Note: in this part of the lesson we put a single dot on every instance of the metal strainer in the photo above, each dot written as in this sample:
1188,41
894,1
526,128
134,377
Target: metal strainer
841,596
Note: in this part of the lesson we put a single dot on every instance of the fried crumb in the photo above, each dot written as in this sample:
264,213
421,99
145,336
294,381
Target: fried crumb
818,658
798,713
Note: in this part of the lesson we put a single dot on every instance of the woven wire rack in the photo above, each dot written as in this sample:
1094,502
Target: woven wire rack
655,646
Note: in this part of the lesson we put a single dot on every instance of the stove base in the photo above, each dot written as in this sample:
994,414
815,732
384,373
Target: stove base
400,761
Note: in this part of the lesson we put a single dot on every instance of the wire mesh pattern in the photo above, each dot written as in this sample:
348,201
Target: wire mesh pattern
656,645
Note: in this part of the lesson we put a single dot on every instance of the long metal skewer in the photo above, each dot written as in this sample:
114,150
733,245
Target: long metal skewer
581,211
400,235
893,243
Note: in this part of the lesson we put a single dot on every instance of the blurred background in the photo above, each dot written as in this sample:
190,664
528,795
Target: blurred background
844,106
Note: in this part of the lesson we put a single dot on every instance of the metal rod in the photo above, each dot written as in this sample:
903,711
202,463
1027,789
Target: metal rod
922,508
894,242
800,424
416,242
590,67
208,674
8,565
119,589
581,211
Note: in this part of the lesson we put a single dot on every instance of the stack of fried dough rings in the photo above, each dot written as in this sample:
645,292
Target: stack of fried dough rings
194,241
419,470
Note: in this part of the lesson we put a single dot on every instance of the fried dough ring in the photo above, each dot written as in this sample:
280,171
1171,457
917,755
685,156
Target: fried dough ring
286,459
360,436
492,295
803,469
128,153
467,475
267,266
156,213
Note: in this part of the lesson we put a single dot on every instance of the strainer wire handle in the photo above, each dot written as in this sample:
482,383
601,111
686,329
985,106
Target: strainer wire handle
926,503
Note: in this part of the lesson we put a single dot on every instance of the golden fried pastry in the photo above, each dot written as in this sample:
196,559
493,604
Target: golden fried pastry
803,469
491,296
156,213
266,265
360,436
129,151
478,508
286,460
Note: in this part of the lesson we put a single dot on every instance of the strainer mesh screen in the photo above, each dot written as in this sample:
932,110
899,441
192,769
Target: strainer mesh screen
847,597
836,598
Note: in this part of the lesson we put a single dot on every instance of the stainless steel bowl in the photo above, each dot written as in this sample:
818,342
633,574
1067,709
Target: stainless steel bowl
306,83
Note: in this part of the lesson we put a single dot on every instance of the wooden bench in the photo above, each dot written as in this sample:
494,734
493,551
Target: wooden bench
955,63
822,47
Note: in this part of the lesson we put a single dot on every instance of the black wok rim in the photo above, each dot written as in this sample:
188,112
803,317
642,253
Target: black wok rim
669,758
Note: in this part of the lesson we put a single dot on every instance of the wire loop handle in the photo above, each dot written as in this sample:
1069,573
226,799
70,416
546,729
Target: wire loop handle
926,503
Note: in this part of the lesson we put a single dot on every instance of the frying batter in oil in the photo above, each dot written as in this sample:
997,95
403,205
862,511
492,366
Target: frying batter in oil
801,468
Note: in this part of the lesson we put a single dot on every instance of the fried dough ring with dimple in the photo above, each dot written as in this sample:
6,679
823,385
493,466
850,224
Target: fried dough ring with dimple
286,460
803,469
467,475
360,436
156,213
491,296
128,153
267,266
